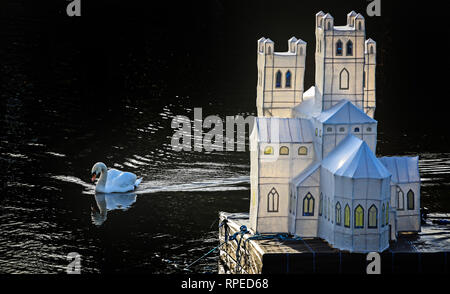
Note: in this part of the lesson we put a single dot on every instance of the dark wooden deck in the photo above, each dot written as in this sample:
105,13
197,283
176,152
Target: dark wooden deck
413,253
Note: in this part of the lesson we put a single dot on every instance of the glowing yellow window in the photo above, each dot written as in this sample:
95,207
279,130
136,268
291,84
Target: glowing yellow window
338,214
373,220
347,216
268,150
284,150
400,199
302,150
359,217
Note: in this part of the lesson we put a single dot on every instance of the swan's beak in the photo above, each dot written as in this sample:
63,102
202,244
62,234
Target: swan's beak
94,175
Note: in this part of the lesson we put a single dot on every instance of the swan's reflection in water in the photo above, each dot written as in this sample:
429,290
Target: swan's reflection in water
110,201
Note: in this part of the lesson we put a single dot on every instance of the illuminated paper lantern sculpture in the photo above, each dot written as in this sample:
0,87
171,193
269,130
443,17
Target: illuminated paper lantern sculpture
314,172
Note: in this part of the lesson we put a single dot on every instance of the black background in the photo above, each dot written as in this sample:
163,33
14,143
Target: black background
211,47
207,50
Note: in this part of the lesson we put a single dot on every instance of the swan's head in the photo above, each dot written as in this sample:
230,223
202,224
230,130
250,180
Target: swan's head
97,169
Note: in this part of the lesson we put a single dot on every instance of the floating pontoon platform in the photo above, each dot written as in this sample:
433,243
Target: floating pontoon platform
412,253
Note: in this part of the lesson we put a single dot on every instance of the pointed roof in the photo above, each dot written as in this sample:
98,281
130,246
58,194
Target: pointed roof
282,130
327,16
300,41
292,39
304,175
359,16
370,41
345,113
404,169
353,158
320,13
351,13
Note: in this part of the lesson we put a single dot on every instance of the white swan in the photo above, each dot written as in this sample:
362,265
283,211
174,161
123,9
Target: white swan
113,180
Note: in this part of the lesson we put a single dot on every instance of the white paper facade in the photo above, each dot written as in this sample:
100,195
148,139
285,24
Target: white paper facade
405,191
314,172
341,63
305,187
280,77
340,120
352,176
290,142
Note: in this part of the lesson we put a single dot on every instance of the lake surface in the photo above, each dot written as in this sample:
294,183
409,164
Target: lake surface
60,115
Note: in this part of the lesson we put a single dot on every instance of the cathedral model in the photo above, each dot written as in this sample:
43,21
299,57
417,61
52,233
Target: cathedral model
314,172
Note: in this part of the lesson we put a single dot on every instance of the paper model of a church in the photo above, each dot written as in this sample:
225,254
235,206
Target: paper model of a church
314,172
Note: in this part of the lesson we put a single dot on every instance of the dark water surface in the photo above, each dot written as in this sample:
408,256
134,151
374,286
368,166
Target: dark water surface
67,105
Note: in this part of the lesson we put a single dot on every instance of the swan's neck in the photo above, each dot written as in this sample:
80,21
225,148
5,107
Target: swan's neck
102,179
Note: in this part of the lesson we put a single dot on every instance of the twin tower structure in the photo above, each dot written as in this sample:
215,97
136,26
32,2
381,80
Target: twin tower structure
345,69
314,172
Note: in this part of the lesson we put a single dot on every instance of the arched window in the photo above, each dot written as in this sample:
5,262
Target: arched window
349,48
359,217
387,213
347,216
369,129
308,205
329,208
320,45
383,212
338,214
321,22
410,200
288,79
328,26
278,80
339,48
302,150
371,49
269,50
326,207
268,150
320,204
329,129
272,201
284,150
292,198
373,217
344,79
356,130
341,129
400,199
301,51
364,79
359,26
